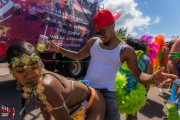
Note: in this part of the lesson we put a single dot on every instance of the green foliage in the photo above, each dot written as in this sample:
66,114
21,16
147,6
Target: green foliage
120,36
175,37
121,33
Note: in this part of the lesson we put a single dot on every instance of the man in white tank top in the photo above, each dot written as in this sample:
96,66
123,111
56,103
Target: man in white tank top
108,53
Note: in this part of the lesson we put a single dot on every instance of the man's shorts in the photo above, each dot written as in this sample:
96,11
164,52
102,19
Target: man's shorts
112,111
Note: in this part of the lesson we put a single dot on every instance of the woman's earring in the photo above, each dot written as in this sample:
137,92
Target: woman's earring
19,86
14,76
10,71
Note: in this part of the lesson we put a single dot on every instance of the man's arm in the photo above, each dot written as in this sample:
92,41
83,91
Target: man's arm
83,53
128,54
159,77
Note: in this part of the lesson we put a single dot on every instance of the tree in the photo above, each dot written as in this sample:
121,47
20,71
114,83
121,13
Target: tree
122,33
174,38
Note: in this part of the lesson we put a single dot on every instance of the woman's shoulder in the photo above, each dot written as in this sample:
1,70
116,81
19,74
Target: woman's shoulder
52,87
145,56
50,91
145,59
53,80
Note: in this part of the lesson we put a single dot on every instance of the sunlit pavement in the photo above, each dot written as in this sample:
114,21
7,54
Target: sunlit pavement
154,109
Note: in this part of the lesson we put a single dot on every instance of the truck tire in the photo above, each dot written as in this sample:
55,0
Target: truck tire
72,69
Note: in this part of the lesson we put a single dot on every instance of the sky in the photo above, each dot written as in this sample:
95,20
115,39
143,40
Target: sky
150,17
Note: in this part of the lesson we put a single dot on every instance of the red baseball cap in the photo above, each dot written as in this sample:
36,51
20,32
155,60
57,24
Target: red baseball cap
104,18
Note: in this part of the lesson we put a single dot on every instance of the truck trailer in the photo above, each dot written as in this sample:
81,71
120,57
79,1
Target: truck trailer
68,22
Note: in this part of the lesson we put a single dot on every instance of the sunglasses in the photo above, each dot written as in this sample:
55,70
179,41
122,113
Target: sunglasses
102,32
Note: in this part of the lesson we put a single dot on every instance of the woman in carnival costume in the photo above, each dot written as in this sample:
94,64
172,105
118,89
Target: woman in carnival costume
57,96
151,51
130,93
163,52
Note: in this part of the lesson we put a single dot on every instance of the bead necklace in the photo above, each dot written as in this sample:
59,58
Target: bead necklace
36,92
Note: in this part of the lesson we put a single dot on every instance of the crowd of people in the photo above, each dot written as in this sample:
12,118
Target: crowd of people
117,80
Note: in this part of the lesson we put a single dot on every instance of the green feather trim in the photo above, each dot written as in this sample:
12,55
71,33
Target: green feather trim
129,102
159,58
172,112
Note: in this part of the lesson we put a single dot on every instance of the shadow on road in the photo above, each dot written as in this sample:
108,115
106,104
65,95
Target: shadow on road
165,96
155,109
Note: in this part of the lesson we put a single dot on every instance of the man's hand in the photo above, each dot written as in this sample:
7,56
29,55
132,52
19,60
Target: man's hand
52,46
163,79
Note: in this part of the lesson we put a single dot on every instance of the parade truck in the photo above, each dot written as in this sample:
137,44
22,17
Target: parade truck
67,22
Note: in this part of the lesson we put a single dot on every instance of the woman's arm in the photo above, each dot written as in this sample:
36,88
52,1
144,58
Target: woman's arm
53,91
149,69
46,115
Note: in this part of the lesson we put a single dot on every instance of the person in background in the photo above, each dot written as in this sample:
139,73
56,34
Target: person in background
151,52
108,53
95,2
174,68
169,44
173,63
163,52
94,7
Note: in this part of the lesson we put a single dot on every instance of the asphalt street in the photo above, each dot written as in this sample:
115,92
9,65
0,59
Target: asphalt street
153,110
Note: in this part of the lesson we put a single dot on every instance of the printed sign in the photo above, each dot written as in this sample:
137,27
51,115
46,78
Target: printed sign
69,21
7,112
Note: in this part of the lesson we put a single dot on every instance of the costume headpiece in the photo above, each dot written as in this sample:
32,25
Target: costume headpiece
160,42
25,59
151,47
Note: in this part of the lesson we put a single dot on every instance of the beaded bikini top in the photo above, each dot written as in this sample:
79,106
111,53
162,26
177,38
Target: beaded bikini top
37,92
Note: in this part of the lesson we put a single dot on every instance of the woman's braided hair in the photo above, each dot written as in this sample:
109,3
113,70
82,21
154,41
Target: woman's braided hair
19,48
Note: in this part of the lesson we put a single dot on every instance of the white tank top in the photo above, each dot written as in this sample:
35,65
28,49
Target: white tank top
104,65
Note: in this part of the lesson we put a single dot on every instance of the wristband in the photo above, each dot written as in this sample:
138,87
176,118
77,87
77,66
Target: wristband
153,82
58,49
